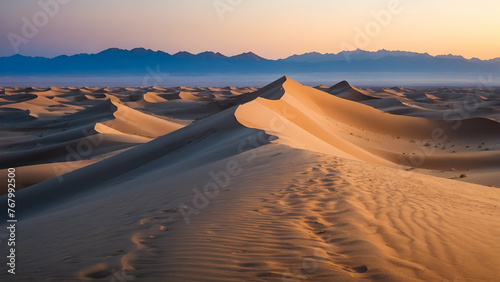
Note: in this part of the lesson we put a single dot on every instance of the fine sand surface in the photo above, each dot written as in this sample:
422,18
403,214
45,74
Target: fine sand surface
282,183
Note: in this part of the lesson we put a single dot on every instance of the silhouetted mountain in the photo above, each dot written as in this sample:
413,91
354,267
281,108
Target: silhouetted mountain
356,55
184,55
140,61
450,56
249,56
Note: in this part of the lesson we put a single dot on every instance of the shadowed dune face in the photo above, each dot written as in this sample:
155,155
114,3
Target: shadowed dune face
52,131
282,183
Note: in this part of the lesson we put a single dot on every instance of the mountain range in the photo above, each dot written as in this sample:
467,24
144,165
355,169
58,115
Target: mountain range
138,61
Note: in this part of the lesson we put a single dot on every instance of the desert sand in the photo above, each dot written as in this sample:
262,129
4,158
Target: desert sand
281,183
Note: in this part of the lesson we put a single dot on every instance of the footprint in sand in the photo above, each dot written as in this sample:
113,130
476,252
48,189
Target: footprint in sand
169,211
98,271
146,220
138,240
360,269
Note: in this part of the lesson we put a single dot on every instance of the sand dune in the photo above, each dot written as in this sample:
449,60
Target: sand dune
353,130
154,97
345,90
13,115
310,119
134,122
282,183
54,130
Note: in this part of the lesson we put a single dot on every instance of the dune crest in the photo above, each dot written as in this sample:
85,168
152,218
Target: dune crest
307,118
344,90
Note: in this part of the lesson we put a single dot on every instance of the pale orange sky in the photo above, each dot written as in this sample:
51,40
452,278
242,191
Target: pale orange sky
270,28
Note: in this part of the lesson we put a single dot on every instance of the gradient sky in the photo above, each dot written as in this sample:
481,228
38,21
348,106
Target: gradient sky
270,28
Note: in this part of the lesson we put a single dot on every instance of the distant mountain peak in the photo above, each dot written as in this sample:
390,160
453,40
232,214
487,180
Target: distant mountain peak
249,56
450,56
18,56
356,55
142,51
313,53
211,54
111,50
204,55
183,54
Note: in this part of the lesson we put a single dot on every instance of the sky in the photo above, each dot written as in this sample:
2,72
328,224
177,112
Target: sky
271,28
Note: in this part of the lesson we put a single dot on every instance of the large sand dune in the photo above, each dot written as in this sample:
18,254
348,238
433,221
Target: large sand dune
282,183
